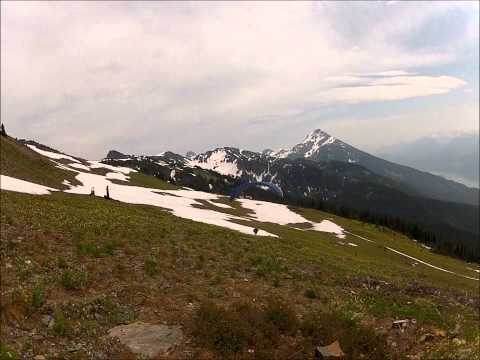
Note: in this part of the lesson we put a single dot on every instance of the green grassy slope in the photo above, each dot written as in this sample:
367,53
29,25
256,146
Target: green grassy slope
93,264
19,161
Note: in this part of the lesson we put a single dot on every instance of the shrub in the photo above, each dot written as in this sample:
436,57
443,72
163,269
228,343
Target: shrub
281,315
6,353
355,340
151,266
59,325
38,296
73,280
225,331
310,294
231,331
62,263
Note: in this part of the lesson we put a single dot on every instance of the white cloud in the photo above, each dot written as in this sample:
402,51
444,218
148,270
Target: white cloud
97,74
373,88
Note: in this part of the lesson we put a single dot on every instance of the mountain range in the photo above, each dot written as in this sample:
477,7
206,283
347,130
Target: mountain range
319,147
323,171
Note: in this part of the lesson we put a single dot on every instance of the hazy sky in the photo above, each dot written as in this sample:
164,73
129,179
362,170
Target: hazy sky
147,77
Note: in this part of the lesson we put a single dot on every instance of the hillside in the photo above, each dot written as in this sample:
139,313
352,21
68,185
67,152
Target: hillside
74,266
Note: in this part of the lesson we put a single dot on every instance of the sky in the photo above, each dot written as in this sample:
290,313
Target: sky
145,77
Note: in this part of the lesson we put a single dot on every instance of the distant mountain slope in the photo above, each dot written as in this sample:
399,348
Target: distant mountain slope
456,158
320,146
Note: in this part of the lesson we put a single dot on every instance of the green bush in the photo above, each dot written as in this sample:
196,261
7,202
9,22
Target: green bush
71,280
231,330
225,331
6,353
62,263
355,340
38,296
281,315
310,294
151,266
59,325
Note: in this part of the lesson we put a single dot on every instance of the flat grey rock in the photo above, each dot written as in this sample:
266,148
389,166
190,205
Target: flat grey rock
148,340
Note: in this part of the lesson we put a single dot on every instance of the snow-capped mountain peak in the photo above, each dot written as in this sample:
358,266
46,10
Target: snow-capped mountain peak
316,135
313,142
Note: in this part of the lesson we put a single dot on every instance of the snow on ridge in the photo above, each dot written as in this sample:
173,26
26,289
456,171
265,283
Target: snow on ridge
280,153
79,166
51,155
217,161
97,164
318,139
17,185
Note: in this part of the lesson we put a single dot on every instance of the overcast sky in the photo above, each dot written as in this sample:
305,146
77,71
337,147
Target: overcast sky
147,77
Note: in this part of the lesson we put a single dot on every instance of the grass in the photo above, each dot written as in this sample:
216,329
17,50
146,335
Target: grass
6,353
60,324
151,267
73,279
242,326
244,329
139,179
19,161
38,296
97,248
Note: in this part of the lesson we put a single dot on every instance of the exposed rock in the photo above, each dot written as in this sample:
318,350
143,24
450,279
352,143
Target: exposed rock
39,357
330,351
148,340
47,320
455,331
426,337
113,154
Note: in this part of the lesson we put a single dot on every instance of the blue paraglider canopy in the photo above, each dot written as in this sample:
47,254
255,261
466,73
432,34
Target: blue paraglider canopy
243,187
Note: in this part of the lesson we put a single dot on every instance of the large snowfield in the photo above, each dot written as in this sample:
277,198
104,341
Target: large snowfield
183,203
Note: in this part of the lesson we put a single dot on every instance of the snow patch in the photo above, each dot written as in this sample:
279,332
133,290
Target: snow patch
222,205
98,164
79,166
282,215
17,185
117,176
51,155
330,227
180,205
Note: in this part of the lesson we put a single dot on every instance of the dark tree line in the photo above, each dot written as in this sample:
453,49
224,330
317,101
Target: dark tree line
442,238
